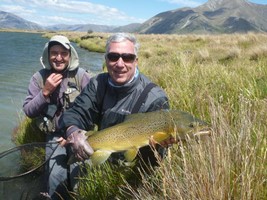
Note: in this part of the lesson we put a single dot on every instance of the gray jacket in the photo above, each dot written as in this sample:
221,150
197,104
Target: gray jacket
104,104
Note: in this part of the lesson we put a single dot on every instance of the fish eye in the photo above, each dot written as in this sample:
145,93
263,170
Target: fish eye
191,125
194,124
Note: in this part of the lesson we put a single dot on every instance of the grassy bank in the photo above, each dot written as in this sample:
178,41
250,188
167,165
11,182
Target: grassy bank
221,79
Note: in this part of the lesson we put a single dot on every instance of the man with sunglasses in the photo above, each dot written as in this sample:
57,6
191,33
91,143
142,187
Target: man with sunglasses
110,97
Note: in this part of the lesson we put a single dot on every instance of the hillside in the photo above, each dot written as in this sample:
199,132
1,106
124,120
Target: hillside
215,16
10,21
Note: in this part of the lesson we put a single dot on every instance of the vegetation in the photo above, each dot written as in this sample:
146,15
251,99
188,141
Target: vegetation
27,132
91,41
221,79
32,156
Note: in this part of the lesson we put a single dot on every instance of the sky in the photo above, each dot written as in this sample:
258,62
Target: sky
100,12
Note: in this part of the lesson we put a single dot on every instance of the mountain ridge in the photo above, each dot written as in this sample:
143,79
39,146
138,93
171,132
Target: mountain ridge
214,16
11,21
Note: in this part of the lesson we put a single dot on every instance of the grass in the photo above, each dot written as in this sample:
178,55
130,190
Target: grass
221,79
31,156
27,132
104,182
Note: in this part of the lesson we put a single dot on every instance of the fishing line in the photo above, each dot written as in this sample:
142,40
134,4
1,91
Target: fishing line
16,154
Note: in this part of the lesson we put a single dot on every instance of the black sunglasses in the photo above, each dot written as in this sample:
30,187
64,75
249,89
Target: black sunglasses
126,57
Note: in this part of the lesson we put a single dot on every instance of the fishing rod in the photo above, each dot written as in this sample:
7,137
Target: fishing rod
12,159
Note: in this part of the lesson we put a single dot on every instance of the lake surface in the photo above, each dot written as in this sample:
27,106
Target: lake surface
19,59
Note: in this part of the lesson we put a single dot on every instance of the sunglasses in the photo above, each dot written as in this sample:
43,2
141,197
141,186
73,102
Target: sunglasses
126,57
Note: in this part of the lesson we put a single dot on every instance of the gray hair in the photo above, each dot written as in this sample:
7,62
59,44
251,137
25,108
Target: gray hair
120,37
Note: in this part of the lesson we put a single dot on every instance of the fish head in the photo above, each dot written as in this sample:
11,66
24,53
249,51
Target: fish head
187,125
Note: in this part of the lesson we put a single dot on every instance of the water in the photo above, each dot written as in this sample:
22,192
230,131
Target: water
19,59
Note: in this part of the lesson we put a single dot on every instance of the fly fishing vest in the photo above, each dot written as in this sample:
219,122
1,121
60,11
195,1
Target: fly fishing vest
46,121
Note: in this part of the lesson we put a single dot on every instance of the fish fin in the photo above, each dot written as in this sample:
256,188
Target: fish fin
129,164
100,157
130,154
159,136
89,133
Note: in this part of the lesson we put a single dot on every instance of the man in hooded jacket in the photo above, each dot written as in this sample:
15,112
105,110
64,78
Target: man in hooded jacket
51,91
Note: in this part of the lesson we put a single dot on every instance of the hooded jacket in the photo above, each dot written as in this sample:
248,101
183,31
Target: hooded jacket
74,61
35,103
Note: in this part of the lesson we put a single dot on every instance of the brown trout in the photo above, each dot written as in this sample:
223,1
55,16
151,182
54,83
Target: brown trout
137,130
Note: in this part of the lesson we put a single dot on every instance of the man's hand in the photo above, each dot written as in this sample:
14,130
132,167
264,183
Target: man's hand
169,142
80,147
51,84
166,143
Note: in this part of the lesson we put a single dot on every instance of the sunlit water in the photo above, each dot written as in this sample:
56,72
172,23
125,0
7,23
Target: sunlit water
19,59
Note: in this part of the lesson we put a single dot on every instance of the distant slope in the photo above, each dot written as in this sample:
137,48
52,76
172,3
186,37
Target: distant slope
81,27
130,28
215,16
10,21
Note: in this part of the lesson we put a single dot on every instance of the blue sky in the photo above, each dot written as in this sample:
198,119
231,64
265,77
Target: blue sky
101,12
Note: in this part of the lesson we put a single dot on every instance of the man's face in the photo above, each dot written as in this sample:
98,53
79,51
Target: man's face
59,57
121,62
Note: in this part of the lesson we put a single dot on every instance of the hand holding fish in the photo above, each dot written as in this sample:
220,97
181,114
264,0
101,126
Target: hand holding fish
79,145
168,142
165,143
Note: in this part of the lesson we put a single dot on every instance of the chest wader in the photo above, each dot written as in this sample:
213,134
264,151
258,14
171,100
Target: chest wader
46,123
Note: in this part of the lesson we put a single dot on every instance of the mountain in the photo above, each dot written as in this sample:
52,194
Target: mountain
10,21
81,27
130,28
215,16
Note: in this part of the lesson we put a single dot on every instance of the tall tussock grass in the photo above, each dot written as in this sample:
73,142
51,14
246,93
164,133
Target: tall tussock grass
220,80
230,164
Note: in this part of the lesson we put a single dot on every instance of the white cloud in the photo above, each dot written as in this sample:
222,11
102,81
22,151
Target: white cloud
17,9
61,20
49,12
184,3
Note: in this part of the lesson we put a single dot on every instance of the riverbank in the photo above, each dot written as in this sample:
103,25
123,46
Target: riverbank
94,42
20,31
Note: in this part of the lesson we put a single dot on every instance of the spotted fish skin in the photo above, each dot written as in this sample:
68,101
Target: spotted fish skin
137,130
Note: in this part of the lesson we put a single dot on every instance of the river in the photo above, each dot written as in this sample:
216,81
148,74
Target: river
19,59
